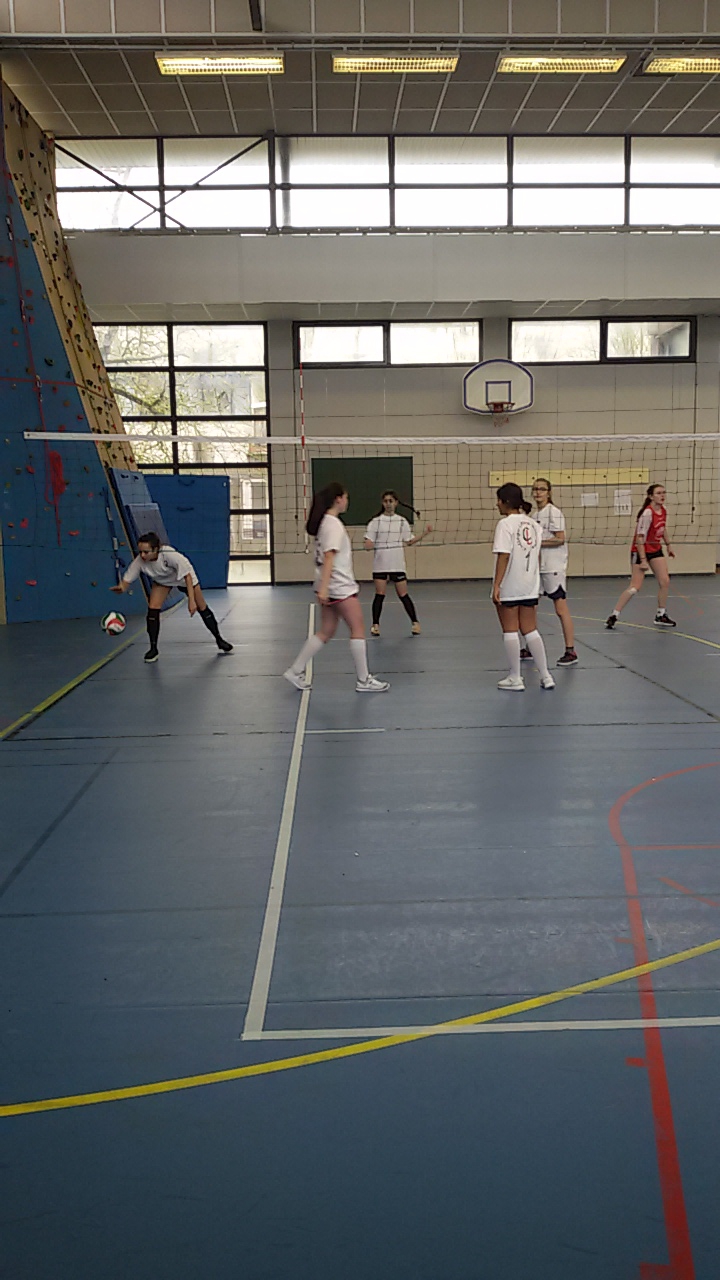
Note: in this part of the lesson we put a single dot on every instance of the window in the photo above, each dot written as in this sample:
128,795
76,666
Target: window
568,160
442,343
111,209
216,162
354,207
131,162
341,344
648,339
208,382
328,161
199,208
450,160
674,206
555,341
568,206
681,160
425,207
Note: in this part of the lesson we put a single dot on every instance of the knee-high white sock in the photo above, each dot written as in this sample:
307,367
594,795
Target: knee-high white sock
358,649
511,640
534,642
308,651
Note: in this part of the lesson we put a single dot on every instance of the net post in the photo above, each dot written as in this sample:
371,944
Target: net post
303,459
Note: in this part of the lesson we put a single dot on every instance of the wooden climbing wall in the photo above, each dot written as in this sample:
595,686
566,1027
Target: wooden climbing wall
63,542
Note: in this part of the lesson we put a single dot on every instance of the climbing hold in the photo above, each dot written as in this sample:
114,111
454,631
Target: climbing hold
24,523
31,582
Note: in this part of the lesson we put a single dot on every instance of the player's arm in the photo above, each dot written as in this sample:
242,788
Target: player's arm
412,542
501,564
666,540
640,540
556,539
129,576
369,546
326,574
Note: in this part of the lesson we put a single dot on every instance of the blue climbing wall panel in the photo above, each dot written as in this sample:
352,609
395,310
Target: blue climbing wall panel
63,542
196,511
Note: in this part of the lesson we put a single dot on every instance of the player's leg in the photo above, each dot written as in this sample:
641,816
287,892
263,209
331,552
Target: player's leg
636,581
508,615
350,610
660,569
534,642
401,587
210,620
380,584
158,596
328,626
559,599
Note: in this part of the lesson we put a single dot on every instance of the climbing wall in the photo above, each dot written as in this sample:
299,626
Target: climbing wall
62,539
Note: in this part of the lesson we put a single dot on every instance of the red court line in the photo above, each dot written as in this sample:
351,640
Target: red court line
681,887
643,848
681,1265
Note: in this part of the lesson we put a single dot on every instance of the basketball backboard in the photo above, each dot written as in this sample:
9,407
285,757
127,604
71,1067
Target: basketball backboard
498,382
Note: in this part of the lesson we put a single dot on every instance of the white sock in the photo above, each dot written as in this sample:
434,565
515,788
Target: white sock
616,613
358,649
308,651
511,640
534,642
660,612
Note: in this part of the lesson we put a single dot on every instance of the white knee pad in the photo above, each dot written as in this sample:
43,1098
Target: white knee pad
632,591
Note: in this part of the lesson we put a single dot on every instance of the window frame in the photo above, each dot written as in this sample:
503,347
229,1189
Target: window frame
385,363
604,322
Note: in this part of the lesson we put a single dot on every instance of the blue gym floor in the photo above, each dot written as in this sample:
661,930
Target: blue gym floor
203,871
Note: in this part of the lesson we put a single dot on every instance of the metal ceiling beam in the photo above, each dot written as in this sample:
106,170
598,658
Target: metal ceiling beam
255,15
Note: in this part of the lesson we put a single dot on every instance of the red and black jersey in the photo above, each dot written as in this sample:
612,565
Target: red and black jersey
651,527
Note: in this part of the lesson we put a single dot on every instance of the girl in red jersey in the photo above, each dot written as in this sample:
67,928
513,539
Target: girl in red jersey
647,553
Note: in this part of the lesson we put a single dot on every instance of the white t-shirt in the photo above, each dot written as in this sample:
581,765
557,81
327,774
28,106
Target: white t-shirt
552,521
389,534
333,536
520,537
169,570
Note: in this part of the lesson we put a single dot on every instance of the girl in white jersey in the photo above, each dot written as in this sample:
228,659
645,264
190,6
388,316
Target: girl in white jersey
516,585
553,566
647,553
336,590
168,568
387,535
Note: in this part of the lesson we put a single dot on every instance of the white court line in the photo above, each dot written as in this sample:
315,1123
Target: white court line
486,1028
309,731
260,990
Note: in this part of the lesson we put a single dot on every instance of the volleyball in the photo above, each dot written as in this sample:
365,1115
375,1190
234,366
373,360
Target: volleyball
113,623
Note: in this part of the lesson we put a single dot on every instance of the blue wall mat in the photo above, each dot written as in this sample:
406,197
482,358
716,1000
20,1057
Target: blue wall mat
59,522
196,511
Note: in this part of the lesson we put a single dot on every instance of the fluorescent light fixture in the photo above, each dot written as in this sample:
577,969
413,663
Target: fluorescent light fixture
216,63
394,63
673,64
560,64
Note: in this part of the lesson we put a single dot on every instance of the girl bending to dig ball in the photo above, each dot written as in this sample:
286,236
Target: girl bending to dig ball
336,590
516,585
168,568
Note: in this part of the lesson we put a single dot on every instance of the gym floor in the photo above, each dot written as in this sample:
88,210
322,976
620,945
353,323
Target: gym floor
236,921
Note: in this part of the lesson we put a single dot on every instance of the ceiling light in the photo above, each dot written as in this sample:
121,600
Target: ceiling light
560,64
354,64
205,63
683,65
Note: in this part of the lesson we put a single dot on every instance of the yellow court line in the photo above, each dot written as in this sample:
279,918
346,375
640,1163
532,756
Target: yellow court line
639,626
352,1050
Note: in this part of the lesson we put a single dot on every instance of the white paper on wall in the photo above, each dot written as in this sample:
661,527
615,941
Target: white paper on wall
623,502
589,499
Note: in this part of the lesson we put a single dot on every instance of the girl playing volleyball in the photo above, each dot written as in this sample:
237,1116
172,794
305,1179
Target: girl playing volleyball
168,568
516,585
553,566
336,590
387,535
647,553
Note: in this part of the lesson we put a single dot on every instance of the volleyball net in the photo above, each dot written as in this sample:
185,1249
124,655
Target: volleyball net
599,482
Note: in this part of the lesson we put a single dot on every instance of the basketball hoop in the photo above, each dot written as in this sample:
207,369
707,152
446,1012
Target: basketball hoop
500,410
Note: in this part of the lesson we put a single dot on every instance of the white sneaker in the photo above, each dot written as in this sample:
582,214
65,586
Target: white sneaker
514,683
371,685
299,681
547,682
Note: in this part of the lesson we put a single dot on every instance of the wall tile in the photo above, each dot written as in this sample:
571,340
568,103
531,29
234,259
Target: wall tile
437,15
287,15
534,17
632,17
382,17
583,17
137,15
37,15
4,15
188,15
87,15
337,15
684,17
485,17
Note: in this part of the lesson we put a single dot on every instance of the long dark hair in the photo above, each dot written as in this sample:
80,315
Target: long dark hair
648,497
512,495
151,539
392,494
322,503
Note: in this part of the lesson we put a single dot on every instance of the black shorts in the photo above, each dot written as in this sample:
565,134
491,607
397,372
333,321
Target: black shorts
393,577
518,604
649,555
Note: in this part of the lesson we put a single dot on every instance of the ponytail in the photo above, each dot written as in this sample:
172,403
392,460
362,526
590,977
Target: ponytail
322,503
648,498
512,495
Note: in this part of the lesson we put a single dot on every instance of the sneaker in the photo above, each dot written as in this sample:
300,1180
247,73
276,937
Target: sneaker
152,654
568,659
298,680
662,620
371,685
611,622
375,629
415,629
525,655
547,682
224,646
515,683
